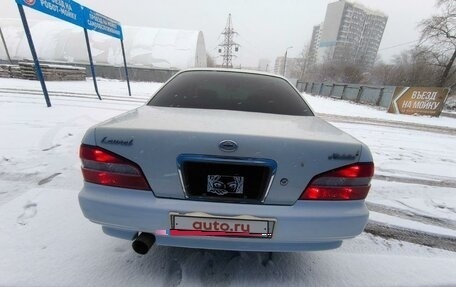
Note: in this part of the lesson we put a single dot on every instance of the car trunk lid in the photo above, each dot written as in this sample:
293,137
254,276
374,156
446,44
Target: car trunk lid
294,148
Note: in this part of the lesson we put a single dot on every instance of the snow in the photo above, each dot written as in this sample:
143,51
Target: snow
437,202
428,155
404,155
46,241
410,224
332,106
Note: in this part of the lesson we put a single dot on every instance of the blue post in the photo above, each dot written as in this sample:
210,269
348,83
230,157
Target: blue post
126,69
38,71
92,68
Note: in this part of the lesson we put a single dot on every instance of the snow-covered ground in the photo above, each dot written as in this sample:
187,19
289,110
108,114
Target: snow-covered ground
333,106
45,240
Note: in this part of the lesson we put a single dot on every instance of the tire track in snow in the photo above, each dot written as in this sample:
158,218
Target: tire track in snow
436,183
174,274
73,100
75,95
410,215
70,103
413,236
387,231
388,123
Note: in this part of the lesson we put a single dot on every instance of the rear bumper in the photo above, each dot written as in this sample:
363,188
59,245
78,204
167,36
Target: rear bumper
307,225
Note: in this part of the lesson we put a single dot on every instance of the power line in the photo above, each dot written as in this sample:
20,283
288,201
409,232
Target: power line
399,45
241,27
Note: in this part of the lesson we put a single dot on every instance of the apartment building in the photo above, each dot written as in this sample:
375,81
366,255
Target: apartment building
350,33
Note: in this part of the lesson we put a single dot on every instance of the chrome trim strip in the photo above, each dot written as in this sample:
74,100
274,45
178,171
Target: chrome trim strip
269,185
179,170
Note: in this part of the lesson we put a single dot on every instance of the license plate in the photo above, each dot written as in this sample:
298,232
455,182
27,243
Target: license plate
225,184
207,225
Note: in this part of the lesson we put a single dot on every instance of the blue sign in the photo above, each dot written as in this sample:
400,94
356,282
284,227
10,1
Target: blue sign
101,23
77,14
72,12
66,10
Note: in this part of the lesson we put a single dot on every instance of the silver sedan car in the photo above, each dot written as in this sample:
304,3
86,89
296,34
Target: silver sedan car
225,159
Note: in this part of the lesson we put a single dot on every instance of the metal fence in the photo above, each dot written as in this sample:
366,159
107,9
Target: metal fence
371,95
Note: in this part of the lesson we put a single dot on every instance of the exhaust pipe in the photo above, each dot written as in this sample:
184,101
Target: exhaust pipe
143,243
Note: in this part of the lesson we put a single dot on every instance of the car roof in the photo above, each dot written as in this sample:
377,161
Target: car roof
253,72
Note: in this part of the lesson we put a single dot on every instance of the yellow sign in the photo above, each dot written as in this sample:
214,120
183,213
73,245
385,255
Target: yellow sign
418,100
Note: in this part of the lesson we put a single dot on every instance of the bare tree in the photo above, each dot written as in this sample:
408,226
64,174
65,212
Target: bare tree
301,62
414,67
382,74
438,35
350,73
343,69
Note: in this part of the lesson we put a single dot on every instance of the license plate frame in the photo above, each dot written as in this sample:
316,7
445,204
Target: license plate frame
196,224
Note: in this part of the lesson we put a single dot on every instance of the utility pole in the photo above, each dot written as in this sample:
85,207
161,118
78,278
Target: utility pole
226,47
285,60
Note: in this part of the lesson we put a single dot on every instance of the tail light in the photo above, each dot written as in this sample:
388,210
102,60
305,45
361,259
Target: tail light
106,168
351,182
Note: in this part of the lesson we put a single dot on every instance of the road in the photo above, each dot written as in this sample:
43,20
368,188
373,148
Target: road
388,123
388,231
375,228
46,241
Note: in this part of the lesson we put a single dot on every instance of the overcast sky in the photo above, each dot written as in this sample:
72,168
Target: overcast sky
266,27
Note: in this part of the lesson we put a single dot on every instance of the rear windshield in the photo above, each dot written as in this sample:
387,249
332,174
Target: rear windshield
231,91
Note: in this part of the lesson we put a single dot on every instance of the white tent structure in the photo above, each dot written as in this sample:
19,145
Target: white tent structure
145,47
